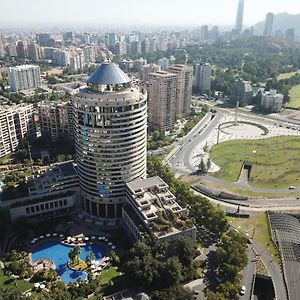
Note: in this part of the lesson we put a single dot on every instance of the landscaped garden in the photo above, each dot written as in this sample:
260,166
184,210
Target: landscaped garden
275,161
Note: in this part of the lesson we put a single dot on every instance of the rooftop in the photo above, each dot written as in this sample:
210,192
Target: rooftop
108,73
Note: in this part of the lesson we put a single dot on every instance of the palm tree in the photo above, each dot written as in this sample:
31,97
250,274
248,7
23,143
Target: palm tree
89,258
77,251
72,254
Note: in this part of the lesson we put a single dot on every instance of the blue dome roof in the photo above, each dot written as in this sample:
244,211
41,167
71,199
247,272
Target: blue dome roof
108,73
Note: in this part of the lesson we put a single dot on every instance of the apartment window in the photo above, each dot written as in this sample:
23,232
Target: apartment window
65,202
27,210
37,208
56,204
60,203
51,205
47,205
32,209
42,207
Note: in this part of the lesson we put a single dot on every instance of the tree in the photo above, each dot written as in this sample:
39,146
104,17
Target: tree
89,258
208,164
202,166
77,251
72,255
175,292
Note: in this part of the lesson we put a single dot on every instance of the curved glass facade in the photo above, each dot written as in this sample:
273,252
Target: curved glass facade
111,139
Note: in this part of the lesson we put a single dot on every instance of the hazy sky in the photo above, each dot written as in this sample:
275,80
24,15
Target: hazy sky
173,12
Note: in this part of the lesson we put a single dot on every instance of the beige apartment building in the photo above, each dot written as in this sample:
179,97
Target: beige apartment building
16,127
184,87
56,120
162,100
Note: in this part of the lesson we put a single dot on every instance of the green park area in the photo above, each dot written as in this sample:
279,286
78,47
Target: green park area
287,75
294,97
275,161
256,227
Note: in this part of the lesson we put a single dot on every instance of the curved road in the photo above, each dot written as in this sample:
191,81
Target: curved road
179,160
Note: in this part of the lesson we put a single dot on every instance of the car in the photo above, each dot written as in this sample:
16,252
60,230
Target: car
196,292
243,290
292,187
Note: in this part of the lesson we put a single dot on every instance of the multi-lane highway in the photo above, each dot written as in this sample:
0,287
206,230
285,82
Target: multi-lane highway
180,158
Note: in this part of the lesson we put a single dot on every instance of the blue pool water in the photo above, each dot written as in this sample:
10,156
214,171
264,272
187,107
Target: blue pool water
58,252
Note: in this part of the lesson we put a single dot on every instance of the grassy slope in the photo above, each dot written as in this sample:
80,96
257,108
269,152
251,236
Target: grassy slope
295,97
261,231
276,163
287,75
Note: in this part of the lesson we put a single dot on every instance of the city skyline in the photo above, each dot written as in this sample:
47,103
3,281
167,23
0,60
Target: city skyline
167,12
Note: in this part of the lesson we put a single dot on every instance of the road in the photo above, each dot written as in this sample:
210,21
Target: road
274,270
180,161
247,274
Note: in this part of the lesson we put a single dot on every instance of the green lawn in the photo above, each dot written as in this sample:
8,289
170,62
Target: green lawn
295,97
287,75
10,282
109,274
259,225
275,161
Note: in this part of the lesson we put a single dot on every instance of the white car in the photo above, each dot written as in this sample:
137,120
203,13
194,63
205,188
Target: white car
292,187
243,290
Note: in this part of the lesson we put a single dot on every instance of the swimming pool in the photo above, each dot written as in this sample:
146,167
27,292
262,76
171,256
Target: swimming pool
58,252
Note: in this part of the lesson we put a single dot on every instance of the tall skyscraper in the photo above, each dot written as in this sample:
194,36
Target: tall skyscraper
202,79
239,17
110,121
269,24
183,87
24,77
2,46
162,100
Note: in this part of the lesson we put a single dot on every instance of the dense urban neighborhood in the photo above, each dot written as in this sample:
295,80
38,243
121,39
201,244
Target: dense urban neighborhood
159,162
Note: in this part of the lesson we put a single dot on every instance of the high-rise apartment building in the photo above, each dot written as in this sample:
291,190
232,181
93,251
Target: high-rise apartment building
271,102
239,17
147,70
2,46
162,100
56,120
24,77
290,35
21,50
241,91
89,54
184,87
61,58
33,51
110,121
45,40
268,24
163,63
16,126
202,79
204,32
